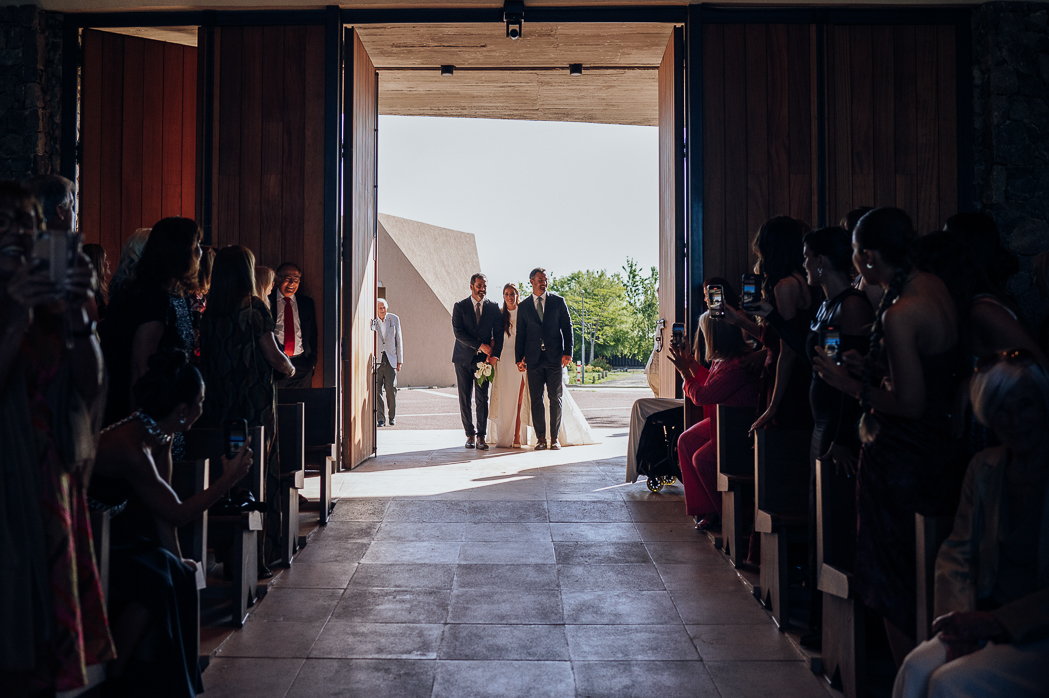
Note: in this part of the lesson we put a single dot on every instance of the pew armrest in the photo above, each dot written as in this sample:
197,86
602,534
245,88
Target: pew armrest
836,581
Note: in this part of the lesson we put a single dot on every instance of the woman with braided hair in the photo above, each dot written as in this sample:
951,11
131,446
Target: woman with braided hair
907,384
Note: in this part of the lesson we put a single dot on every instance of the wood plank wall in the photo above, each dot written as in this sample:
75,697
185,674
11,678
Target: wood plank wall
268,153
758,137
892,121
671,205
138,133
359,288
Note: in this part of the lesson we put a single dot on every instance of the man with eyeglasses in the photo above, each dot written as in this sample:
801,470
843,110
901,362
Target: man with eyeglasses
296,329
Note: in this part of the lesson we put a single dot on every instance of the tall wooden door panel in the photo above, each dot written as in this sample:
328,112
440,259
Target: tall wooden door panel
361,119
892,120
758,144
268,151
671,202
138,136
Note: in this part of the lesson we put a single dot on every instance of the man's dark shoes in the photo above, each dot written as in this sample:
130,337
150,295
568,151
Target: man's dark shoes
382,424
554,446
393,422
469,442
541,446
481,445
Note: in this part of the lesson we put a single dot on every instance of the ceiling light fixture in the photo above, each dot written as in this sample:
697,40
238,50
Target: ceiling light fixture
575,68
447,70
513,15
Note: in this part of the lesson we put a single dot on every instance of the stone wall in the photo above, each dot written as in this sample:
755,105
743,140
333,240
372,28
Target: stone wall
30,91
1011,134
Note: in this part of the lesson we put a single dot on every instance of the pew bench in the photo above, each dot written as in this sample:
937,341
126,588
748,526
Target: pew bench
735,478
781,490
320,437
929,532
291,431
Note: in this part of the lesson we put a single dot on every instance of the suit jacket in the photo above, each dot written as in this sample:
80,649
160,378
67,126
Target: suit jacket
307,325
967,565
470,335
389,340
555,331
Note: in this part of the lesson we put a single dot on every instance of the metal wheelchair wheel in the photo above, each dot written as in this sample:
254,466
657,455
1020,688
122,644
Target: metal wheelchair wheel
655,484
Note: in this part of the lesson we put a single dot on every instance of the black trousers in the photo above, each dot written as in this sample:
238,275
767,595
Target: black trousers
545,375
303,377
466,383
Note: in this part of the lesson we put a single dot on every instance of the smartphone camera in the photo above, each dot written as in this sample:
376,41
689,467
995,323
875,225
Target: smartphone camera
236,433
716,301
56,252
751,295
677,337
830,339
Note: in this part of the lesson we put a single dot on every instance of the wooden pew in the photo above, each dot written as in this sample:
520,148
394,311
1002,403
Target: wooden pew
929,532
844,616
781,487
735,478
321,436
187,478
210,443
291,430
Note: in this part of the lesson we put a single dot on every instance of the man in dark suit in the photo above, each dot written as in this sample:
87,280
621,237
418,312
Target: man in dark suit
296,329
478,327
544,346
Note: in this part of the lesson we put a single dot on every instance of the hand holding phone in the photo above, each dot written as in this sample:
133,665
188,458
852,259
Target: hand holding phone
236,435
751,295
716,301
830,340
677,337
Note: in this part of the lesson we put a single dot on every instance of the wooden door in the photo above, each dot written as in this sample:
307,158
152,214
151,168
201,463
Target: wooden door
138,134
361,121
892,137
671,203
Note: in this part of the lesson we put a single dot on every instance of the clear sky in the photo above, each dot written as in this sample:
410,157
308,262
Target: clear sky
564,196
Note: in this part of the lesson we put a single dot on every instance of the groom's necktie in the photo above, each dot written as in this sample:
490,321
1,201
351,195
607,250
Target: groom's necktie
539,307
477,312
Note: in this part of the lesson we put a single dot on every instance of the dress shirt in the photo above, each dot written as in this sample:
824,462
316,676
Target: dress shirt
278,331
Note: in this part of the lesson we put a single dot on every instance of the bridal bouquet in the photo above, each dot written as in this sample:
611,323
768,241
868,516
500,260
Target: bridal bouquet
485,373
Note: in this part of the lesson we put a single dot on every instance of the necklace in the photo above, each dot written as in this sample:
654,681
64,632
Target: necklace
147,422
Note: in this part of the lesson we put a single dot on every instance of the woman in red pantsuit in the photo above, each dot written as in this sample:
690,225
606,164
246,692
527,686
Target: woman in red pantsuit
726,382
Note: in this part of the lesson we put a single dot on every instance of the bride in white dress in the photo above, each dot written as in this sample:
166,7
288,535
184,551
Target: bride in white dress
510,411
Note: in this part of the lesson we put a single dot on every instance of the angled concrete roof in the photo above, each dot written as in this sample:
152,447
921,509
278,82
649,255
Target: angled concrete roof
444,258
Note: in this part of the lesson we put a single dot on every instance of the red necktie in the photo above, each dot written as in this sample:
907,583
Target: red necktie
289,328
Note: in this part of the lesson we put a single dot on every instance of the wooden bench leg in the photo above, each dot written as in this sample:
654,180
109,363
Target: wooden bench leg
732,526
774,580
325,509
844,645
245,572
289,533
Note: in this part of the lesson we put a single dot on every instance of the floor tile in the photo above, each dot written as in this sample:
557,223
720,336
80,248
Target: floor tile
342,639
332,551
303,605
394,606
682,553
498,606
470,679
630,642
506,577
569,553
588,512
506,531
232,677
403,576
699,607
593,532
426,511
763,679
619,608
349,509
260,638
507,553
315,575
641,577
346,531
657,512
406,552
508,512
742,643
521,642
701,577
362,678
685,532
643,679
414,531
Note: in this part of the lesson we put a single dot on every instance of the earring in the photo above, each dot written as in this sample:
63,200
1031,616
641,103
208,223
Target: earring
819,271
182,422
869,265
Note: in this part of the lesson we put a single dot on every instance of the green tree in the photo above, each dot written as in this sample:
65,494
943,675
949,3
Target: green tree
643,303
598,300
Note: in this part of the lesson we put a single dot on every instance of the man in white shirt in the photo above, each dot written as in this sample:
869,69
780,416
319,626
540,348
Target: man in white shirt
390,353
296,325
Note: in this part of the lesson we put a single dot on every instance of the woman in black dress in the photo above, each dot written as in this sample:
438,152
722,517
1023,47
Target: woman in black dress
907,462
149,313
153,591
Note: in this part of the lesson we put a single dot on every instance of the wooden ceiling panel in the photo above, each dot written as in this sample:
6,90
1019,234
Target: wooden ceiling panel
542,45
606,96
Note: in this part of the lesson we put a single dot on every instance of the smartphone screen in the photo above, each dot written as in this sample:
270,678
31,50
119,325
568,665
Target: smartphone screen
236,434
832,344
678,334
751,295
715,301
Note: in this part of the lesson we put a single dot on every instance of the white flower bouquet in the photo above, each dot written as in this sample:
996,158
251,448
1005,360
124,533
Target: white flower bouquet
485,373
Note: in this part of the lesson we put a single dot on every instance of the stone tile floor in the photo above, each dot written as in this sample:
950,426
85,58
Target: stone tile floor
447,572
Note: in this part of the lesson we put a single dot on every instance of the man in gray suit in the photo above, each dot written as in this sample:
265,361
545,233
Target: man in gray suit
390,350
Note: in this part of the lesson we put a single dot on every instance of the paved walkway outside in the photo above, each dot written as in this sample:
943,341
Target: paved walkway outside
452,573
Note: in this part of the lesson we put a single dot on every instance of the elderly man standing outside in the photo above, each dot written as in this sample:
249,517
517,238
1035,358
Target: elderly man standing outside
390,350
